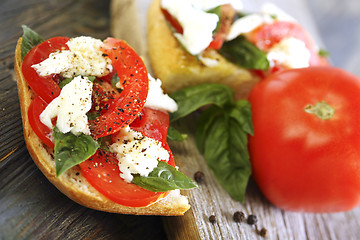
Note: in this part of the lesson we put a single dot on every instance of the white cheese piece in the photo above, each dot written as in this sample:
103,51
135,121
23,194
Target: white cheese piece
84,57
137,154
197,25
157,99
269,13
209,62
271,9
70,107
290,52
245,25
207,5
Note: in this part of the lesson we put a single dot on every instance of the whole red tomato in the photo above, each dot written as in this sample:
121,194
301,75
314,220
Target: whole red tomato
305,152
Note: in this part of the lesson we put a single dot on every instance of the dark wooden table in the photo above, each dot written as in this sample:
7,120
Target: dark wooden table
30,207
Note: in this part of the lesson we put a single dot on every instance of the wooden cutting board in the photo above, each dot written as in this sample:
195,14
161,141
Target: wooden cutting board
210,198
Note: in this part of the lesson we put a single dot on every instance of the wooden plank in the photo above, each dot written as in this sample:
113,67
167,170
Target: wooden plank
211,199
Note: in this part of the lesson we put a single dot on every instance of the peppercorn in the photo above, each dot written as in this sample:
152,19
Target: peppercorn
199,177
263,232
252,219
212,219
239,216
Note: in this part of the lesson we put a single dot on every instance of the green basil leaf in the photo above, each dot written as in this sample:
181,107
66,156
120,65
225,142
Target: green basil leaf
225,151
323,53
217,11
175,135
92,115
241,112
192,98
203,125
164,178
71,150
64,82
29,40
114,81
104,143
245,54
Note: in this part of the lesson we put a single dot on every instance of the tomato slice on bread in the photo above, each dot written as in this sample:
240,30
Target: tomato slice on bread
117,110
267,35
45,87
133,76
102,170
36,107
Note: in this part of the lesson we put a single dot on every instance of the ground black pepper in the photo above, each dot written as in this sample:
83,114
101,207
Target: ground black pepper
252,219
199,177
212,219
239,216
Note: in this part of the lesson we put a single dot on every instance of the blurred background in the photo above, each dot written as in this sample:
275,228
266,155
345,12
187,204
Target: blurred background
338,23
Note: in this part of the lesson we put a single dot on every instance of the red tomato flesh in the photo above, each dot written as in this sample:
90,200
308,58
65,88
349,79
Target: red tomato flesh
172,21
45,87
102,170
36,107
134,79
226,19
267,35
299,161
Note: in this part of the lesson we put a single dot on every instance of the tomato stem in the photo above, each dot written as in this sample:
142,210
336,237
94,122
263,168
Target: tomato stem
321,109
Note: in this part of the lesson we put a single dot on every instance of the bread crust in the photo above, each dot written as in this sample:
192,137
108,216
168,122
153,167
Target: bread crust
178,69
73,184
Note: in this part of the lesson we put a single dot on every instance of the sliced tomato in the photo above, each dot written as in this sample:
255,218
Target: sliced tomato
45,87
226,19
103,173
102,170
172,21
135,83
103,96
43,132
154,124
267,35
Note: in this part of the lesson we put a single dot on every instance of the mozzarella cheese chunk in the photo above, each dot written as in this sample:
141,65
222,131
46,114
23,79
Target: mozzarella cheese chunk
207,5
290,52
84,57
70,107
137,154
250,22
157,99
198,26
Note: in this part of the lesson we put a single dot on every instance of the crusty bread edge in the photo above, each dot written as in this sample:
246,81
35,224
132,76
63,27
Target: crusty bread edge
172,205
178,69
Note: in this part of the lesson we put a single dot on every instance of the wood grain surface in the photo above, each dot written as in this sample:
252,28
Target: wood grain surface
31,208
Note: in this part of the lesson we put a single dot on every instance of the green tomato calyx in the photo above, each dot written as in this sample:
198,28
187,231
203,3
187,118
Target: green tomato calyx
321,109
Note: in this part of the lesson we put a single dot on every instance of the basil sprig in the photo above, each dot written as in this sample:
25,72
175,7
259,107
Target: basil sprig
245,54
164,178
71,150
221,133
192,98
175,135
29,40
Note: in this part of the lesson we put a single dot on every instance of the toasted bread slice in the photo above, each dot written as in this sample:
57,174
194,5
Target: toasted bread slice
73,184
178,69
